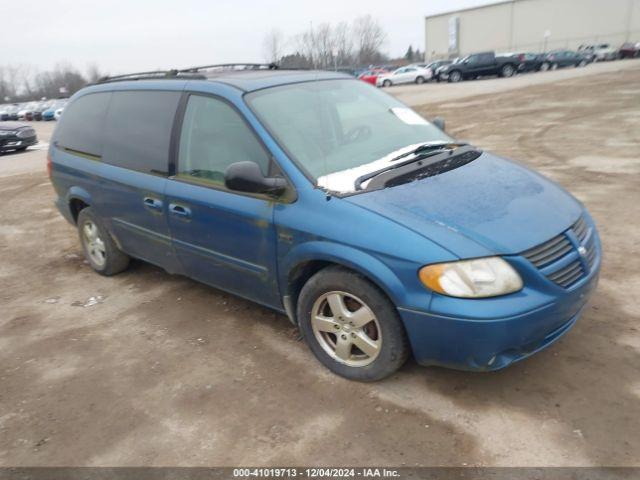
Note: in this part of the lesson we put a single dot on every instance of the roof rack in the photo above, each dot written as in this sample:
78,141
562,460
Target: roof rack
231,66
187,73
153,75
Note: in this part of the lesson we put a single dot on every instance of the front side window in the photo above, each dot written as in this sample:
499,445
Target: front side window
214,136
336,125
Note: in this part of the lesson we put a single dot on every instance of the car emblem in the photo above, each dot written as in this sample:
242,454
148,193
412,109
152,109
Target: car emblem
582,251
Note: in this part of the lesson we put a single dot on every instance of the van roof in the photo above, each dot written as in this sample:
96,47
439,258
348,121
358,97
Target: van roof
247,80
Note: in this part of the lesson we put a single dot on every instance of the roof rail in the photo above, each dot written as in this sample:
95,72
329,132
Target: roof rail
232,66
153,75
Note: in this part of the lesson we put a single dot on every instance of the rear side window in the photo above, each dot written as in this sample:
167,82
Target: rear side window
82,125
214,136
138,130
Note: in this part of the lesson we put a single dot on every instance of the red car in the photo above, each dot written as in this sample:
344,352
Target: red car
370,76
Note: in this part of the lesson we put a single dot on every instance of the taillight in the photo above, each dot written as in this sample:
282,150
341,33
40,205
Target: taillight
522,57
49,164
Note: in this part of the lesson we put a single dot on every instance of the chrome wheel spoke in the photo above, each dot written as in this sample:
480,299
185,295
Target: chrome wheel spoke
325,324
361,317
337,306
343,348
368,346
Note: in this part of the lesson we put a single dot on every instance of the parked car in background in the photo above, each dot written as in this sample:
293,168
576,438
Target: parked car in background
452,253
39,108
49,113
12,112
562,59
527,61
629,50
371,76
479,65
436,68
402,75
598,53
26,111
5,112
58,113
16,136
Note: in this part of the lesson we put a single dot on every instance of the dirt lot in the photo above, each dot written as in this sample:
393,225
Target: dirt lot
151,369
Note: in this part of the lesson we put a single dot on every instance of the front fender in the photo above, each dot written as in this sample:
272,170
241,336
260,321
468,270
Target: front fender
360,261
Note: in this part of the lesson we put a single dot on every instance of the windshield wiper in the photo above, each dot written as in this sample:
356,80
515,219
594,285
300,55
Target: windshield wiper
430,147
441,158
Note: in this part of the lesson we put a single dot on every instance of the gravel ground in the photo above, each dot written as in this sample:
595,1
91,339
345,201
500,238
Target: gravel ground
151,369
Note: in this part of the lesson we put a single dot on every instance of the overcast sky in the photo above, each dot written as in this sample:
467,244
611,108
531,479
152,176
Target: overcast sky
129,35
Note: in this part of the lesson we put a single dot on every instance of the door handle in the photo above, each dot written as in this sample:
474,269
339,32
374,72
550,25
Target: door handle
179,210
151,202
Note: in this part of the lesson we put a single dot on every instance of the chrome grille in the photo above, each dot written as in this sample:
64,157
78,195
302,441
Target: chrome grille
546,255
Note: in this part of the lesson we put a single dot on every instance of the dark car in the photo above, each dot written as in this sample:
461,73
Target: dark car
629,50
39,109
437,66
479,65
529,62
562,59
16,136
324,198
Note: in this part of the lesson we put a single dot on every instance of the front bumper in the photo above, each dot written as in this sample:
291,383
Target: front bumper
493,333
14,143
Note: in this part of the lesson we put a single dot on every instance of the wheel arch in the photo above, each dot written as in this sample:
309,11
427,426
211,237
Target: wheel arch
301,263
77,198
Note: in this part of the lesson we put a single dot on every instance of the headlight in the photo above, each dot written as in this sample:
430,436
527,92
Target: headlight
478,278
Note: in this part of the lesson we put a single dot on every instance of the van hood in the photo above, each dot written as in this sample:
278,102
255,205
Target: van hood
486,207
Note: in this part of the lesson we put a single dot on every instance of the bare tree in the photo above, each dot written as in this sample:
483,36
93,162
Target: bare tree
343,43
273,45
369,37
93,73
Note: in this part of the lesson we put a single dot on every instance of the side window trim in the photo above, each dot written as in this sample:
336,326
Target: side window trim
289,196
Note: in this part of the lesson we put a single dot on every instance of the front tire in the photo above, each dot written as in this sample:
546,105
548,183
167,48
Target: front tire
386,83
351,326
100,250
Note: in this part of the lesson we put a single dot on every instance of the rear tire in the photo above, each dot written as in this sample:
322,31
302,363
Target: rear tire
340,311
545,66
507,71
99,248
455,77
420,80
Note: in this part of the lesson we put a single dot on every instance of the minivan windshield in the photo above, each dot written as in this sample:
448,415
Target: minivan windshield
332,126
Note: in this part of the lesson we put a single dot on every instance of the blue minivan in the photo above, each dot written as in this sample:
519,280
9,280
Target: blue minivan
321,197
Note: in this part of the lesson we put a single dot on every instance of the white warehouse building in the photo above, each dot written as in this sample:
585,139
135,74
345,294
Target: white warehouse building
532,25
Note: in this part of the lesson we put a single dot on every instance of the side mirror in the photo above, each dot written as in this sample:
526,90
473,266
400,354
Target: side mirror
439,122
247,177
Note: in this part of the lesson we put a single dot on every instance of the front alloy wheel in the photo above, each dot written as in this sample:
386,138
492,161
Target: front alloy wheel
346,329
351,326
